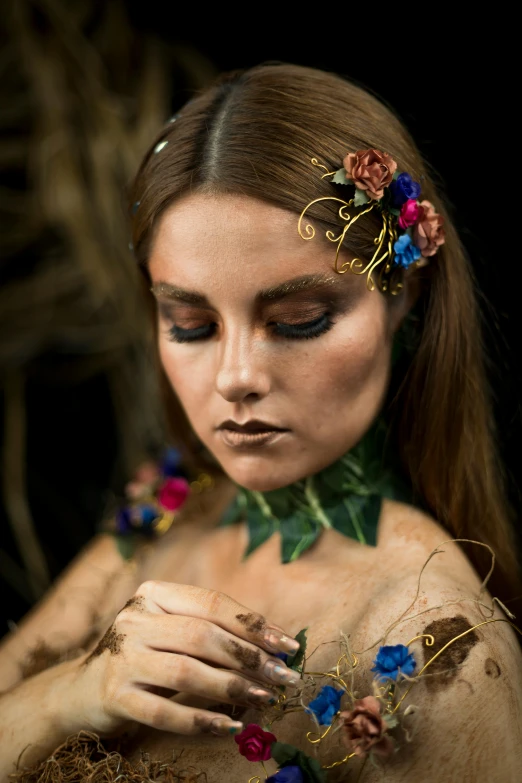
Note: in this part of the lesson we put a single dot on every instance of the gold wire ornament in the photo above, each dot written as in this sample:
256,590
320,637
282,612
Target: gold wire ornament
382,259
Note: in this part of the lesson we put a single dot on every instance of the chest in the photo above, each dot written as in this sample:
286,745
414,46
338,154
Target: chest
319,592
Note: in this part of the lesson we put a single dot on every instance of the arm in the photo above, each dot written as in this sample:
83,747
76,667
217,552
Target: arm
169,637
76,609
62,625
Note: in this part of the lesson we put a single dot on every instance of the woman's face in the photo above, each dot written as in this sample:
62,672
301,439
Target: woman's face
280,363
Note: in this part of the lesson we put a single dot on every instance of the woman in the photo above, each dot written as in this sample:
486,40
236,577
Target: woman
277,313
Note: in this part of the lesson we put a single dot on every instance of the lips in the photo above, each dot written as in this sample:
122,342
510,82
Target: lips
251,434
252,426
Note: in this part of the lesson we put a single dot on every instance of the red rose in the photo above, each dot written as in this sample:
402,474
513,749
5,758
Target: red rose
429,233
254,743
364,728
370,170
173,493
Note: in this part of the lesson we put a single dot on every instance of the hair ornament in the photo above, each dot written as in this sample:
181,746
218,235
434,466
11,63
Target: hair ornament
411,230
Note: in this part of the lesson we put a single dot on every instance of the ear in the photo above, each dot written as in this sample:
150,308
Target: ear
401,304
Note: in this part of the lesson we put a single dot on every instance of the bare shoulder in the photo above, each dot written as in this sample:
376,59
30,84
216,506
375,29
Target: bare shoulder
460,718
91,590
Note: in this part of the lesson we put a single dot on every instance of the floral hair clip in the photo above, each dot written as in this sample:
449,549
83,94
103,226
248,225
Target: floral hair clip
411,232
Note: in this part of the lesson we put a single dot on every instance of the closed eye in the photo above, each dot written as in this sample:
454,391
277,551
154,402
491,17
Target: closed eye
305,330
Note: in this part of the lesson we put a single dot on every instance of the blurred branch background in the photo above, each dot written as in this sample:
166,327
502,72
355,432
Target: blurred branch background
85,85
83,92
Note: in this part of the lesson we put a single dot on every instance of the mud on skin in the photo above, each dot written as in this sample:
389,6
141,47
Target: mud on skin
254,623
111,641
444,669
249,659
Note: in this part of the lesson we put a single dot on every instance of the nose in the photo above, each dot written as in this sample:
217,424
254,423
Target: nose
243,370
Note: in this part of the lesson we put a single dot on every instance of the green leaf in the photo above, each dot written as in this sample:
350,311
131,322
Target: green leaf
340,178
391,721
287,755
394,211
331,477
280,501
260,528
360,198
298,533
126,545
364,513
295,660
235,511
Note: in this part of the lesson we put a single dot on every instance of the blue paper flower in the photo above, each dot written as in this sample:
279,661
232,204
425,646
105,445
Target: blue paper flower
144,515
171,463
393,660
404,188
286,775
282,656
123,521
326,705
405,251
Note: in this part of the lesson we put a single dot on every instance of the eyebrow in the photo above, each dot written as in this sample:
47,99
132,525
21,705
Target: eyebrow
297,284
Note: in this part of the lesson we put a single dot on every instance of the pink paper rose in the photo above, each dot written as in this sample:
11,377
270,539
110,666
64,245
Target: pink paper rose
411,212
173,493
144,479
370,170
254,743
364,728
429,233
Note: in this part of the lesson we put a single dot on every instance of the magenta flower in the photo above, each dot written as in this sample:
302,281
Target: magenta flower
173,493
411,212
255,744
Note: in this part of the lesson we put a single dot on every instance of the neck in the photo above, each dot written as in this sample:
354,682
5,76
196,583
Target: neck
345,496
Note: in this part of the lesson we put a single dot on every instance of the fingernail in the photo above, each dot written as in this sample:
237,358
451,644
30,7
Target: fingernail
256,695
279,641
277,672
224,726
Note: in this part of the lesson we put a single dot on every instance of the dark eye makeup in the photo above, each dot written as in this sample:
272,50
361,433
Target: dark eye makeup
297,331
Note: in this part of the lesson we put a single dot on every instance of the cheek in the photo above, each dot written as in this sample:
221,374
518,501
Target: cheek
185,373
354,365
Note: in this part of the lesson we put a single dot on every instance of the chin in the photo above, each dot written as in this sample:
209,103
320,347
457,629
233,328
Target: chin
263,474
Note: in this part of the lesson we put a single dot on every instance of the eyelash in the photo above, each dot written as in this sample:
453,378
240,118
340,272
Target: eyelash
303,331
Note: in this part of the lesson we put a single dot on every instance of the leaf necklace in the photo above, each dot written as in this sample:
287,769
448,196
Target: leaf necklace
346,496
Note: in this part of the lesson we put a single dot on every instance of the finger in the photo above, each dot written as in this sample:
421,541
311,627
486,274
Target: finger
218,608
166,715
188,675
203,640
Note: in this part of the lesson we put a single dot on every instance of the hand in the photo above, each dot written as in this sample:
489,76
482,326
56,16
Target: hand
187,639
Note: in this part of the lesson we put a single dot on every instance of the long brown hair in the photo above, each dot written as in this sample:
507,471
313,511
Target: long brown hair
254,133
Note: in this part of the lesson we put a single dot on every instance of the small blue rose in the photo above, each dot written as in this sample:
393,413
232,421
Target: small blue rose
171,462
393,660
326,705
403,188
405,251
286,775
282,656
123,521
144,516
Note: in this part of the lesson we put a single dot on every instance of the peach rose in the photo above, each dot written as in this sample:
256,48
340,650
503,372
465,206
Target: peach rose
364,728
370,170
429,233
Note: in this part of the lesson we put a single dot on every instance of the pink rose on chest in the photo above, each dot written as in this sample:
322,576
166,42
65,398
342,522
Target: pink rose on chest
173,493
254,743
